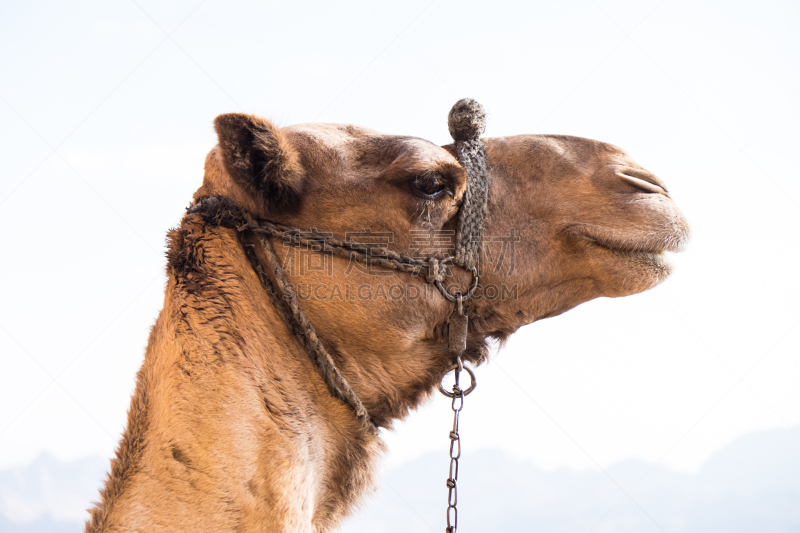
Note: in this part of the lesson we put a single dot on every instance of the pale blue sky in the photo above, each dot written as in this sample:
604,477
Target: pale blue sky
705,94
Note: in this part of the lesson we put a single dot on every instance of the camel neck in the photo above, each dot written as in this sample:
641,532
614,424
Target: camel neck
223,385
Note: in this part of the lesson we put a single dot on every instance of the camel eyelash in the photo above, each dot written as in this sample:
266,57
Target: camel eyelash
430,186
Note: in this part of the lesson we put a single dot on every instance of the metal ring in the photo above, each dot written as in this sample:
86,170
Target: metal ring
466,295
473,382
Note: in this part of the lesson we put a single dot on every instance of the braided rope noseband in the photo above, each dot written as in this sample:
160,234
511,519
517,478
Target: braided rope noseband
466,118
467,121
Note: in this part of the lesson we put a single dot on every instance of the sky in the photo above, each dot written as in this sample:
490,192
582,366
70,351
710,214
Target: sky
106,113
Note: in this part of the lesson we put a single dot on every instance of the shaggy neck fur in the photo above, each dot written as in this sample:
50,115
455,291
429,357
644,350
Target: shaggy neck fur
223,383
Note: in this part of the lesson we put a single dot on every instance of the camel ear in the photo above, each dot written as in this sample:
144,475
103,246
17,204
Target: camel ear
257,155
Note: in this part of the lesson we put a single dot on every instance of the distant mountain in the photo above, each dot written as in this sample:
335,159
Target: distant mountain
751,485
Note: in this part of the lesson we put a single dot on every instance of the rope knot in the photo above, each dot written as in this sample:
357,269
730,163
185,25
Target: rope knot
435,272
467,120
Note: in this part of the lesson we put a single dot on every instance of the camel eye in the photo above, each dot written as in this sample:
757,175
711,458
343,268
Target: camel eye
429,186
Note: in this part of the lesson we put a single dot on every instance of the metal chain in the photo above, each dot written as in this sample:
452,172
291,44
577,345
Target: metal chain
455,443
457,395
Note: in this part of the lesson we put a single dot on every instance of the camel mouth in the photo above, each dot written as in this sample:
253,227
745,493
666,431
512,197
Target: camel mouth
632,242
648,248
643,253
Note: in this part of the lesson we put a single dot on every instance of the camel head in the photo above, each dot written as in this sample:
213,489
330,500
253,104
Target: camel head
568,220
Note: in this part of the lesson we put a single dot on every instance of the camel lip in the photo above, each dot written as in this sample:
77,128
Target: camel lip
654,258
650,244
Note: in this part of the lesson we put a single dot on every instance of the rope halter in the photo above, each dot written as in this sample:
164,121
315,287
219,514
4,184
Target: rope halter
466,122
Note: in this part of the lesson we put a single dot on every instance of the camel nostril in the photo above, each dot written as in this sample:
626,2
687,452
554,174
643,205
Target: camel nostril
642,180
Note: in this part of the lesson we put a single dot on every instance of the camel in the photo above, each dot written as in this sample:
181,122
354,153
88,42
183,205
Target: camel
231,426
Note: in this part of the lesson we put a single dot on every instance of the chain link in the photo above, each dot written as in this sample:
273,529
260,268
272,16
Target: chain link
455,454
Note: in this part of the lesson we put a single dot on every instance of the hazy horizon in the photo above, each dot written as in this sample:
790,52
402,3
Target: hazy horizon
759,471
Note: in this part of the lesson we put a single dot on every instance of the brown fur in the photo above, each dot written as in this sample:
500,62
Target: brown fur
231,428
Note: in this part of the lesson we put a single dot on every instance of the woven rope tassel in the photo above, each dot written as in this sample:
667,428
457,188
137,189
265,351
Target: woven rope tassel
467,121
